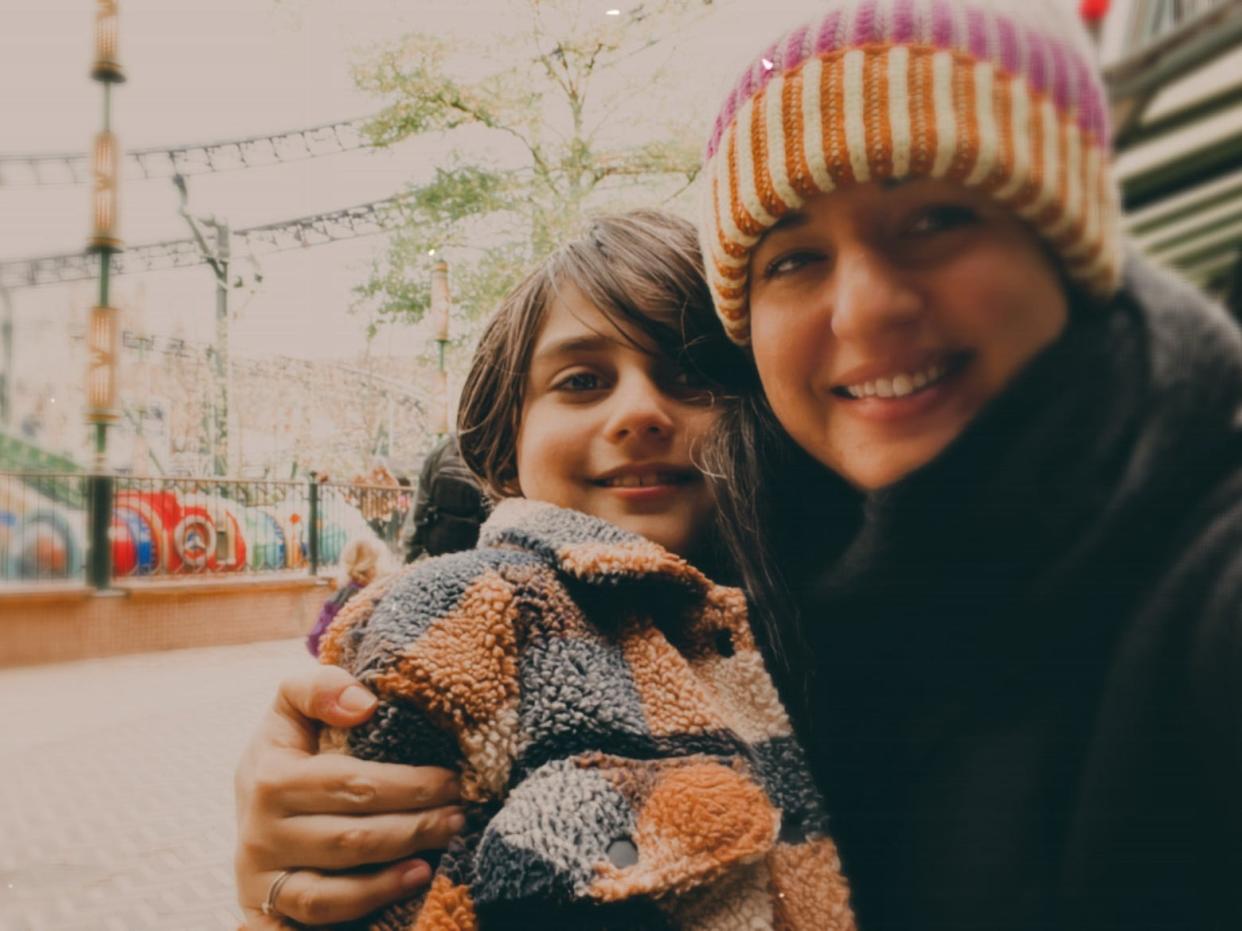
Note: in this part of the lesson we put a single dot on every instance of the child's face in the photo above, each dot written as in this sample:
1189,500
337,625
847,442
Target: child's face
608,428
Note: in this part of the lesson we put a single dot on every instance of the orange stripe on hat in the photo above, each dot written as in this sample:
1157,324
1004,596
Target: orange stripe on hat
922,112
741,216
832,104
966,117
876,118
1002,102
796,165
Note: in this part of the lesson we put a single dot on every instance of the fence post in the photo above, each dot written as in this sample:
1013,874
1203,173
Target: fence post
312,541
99,523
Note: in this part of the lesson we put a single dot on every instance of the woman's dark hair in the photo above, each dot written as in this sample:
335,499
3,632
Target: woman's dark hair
642,269
763,484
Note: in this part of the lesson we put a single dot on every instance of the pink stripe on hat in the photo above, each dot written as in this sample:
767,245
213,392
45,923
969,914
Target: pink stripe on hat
865,27
903,21
942,24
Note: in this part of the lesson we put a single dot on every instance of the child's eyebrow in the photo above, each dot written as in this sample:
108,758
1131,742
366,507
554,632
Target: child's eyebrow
571,344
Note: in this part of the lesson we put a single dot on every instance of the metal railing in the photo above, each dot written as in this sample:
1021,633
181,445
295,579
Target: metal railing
105,528
43,524
1165,39
1151,21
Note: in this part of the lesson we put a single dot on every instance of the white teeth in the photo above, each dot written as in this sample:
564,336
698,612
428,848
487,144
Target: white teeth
642,481
898,386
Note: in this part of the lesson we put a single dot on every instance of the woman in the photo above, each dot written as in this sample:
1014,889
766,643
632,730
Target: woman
1009,581
986,481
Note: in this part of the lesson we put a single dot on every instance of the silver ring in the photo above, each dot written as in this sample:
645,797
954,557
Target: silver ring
273,891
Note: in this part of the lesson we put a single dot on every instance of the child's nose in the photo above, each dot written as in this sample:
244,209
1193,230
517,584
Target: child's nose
639,409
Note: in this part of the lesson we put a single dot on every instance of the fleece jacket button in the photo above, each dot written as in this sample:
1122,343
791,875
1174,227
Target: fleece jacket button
792,830
622,853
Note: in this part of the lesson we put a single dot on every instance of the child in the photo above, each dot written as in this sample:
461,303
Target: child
624,757
359,566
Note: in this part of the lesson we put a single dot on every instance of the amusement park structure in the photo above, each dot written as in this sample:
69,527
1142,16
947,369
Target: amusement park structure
1175,83
62,521
1174,72
45,170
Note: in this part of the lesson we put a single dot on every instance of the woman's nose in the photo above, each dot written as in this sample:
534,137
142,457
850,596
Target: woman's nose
871,295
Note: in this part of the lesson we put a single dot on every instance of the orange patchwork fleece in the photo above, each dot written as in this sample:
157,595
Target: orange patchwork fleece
624,755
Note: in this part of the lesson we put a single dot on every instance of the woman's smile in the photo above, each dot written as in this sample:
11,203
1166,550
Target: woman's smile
909,394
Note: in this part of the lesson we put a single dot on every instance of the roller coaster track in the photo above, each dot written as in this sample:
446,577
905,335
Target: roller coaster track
40,170
349,223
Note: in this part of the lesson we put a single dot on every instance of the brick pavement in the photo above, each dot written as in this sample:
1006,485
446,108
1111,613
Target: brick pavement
116,808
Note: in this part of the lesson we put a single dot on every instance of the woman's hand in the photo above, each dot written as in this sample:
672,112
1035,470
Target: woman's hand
319,815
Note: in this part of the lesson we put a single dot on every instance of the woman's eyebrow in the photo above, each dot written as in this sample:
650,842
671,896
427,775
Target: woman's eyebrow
789,221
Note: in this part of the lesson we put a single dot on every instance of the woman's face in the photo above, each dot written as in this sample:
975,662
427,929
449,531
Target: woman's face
885,316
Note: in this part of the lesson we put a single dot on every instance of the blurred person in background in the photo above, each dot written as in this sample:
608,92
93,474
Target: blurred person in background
449,505
360,566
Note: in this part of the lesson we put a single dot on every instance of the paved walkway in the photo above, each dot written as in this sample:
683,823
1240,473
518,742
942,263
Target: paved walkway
116,809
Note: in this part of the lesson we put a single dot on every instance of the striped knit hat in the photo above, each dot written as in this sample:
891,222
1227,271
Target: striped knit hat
1001,96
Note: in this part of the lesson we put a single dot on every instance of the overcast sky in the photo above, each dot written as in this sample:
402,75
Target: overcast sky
200,71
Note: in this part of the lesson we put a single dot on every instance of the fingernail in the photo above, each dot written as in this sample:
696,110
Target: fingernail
355,699
418,874
456,822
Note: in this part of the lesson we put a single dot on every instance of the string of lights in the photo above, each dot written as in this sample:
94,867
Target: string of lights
40,170
348,223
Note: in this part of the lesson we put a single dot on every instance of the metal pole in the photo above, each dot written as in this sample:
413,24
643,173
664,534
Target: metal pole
101,371
218,258
7,379
99,517
222,459
441,307
312,542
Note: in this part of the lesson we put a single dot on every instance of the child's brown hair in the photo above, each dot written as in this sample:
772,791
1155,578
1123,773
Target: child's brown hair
642,269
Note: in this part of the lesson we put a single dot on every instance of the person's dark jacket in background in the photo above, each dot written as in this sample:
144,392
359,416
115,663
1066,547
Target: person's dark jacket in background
1025,699
449,505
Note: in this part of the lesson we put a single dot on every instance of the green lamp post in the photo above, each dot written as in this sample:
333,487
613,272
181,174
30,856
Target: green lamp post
101,400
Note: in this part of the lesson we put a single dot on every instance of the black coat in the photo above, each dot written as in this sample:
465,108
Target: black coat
449,505
1025,699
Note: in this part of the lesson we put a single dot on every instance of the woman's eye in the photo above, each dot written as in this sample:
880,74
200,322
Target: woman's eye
939,219
580,381
789,263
